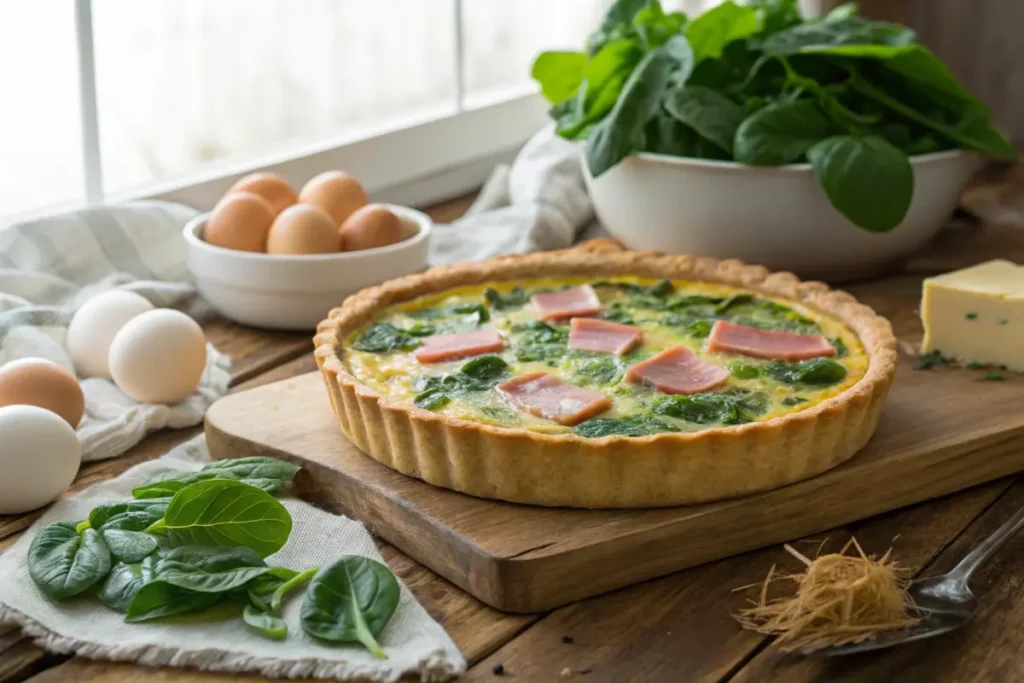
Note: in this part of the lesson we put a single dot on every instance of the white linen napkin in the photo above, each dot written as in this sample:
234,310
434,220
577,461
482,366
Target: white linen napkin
51,266
414,642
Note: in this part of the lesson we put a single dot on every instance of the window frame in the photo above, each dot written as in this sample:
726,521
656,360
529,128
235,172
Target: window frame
409,161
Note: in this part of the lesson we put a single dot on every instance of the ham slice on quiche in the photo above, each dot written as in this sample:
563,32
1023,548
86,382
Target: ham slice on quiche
591,334
677,370
443,347
544,395
569,303
759,343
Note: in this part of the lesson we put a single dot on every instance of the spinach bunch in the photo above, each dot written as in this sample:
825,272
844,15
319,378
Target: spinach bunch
204,544
761,85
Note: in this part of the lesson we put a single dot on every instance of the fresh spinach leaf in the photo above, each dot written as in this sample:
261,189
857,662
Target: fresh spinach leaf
157,599
713,115
618,135
781,133
559,74
128,546
865,178
277,599
714,29
817,371
133,515
262,588
123,582
351,601
851,30
655,27
207,569
268,474
641,424
267,625
385,338
63,563
226,513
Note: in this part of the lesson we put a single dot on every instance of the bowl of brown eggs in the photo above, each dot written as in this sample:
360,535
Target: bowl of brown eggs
271,257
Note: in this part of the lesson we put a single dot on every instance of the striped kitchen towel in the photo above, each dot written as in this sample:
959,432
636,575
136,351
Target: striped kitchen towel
50,266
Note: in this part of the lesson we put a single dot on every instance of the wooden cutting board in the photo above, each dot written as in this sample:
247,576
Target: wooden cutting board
941,431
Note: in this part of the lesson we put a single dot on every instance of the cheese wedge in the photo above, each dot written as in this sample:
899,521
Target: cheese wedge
976,315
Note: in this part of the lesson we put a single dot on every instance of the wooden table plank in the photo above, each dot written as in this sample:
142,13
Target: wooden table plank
682,625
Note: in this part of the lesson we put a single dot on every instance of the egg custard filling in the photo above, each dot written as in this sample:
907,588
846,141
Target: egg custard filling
678,356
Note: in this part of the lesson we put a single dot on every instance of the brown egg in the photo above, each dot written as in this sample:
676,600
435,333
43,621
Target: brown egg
272,187
338,194
39,382
369,227
303,229
240,221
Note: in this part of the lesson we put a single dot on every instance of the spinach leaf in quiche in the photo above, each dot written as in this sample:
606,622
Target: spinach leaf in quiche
516,298
538,341
479,374
385,338
594,369
641,424
817,371
726,407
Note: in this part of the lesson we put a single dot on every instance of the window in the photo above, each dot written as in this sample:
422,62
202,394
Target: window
115,99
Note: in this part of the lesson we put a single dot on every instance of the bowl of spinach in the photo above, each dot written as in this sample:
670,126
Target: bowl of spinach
832,146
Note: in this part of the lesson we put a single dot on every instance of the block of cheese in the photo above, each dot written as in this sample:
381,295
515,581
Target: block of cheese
976,315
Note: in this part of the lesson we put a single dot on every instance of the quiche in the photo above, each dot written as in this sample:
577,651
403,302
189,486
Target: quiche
606,378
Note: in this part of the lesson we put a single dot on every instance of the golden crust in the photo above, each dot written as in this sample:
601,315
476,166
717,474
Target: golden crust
523,466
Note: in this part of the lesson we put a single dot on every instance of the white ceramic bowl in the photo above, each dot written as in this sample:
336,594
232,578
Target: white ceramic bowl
776,216
296,292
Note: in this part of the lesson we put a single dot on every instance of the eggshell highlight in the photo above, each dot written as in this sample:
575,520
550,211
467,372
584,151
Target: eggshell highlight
94,325
240,221
369,227
42,383
272,187
303,229
336,193
159,357
40,457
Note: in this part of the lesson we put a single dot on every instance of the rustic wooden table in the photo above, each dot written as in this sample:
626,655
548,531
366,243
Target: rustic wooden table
677,628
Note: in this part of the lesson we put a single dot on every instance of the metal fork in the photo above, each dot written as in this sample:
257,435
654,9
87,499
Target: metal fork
944,603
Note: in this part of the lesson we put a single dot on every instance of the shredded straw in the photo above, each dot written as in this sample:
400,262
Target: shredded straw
840,598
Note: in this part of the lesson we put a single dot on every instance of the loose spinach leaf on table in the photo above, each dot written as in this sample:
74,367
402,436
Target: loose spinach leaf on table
269,474
207,569
264,623
123,582
128,546
63,562
158,599
226,513
351,601
261,589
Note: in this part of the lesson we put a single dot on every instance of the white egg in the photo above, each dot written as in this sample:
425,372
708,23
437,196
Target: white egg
94,326
158,356
39,458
